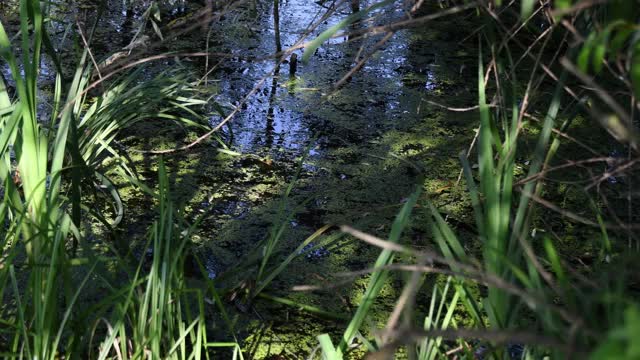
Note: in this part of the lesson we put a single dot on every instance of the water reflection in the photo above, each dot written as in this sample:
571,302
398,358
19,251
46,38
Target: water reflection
271,111
295,116
284,115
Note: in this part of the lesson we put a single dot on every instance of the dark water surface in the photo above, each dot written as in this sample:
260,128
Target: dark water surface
367,145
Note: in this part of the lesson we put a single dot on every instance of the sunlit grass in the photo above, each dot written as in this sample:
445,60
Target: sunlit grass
518,290
44,170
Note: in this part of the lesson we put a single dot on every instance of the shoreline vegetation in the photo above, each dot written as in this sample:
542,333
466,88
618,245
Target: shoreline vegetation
287,179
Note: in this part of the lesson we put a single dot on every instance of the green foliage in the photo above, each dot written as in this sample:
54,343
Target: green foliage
621,341
78,139
34,213
522,285
526,8
159,316
377,280
519,281
441,319
614,36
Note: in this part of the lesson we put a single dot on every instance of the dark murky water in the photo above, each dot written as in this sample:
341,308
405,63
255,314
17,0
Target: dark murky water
364,141
287,111
283,115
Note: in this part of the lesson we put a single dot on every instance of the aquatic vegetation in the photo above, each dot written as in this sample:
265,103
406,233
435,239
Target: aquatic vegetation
520,272
520,247
42,163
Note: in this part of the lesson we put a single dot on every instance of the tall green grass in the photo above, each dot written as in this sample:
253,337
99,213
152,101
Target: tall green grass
44,168
158,315
150,310
50,275
34,205
520,290
378,278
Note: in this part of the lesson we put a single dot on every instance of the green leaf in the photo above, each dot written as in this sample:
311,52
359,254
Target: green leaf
585,53
562,4
526,9
620,342
632,320
599,51
328,350
554,260
611,349
378,278
619,39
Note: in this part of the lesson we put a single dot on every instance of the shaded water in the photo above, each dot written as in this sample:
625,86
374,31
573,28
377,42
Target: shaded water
369,144
285,113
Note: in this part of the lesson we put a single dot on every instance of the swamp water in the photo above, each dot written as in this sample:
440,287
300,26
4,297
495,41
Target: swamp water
362,149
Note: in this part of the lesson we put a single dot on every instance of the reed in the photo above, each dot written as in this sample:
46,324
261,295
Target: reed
42,164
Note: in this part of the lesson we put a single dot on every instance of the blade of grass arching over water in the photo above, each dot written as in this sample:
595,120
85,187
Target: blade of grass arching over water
275,272
449,243
379,277
305,307
115,195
